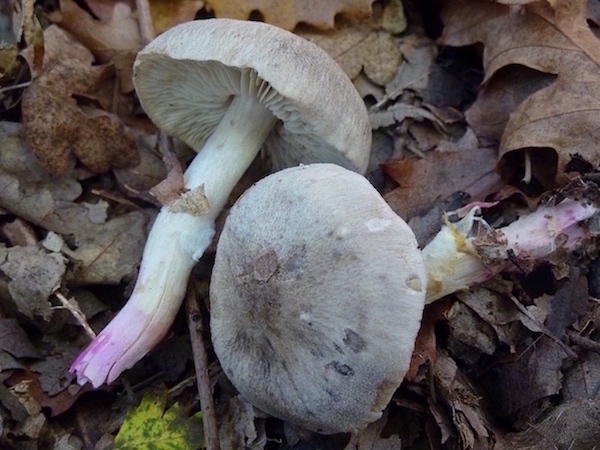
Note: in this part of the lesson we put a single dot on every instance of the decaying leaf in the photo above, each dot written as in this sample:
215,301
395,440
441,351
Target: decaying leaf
556,120
238,427
287,14
55,125
105,252
571,425
467,412
360,46
422,181
35,420
14,340
151,425
371,438
33,274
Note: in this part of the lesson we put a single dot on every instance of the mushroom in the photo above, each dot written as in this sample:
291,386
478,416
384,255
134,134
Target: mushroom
227,88
316,296
318,287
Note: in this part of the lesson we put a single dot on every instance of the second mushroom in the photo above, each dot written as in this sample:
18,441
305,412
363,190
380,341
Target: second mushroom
228,89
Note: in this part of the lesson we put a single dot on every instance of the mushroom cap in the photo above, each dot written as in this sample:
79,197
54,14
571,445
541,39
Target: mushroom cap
317,293
186,78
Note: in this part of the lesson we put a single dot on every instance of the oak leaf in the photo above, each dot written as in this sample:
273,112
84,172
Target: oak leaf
551,119
287,14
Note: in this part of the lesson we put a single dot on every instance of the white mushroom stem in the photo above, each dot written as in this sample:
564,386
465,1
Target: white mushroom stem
177,240
460,256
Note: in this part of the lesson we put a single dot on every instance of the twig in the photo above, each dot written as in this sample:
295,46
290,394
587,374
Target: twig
584,342
209,420
73,307
565,348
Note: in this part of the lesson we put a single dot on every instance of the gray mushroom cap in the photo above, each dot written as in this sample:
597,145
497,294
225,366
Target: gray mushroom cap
316,295
187,77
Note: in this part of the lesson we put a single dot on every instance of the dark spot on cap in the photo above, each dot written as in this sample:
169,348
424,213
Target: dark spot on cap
353,340
342,369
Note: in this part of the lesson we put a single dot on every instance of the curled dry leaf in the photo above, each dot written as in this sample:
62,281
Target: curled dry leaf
55,125
558,119
288,13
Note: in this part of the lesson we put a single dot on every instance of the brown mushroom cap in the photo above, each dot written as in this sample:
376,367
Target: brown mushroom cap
317,294
187,77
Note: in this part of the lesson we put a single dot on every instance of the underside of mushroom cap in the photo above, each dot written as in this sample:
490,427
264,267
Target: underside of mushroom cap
186,78
316,298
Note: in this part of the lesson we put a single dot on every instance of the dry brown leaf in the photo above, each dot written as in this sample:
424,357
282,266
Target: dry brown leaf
467,411
371,438
426,343
54,123
553,39
239,425
422,181
288,13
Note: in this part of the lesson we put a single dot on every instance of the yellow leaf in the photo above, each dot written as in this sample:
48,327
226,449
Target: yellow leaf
149,426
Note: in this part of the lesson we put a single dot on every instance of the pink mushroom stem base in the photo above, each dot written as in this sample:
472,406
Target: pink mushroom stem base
460,256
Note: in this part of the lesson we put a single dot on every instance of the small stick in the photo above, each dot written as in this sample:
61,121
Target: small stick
209,420
73,307
584,342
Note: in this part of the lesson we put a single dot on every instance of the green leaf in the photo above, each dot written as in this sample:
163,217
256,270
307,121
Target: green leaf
150,427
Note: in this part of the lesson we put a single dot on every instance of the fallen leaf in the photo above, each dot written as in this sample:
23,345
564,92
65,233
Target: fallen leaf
571,425
238,425
14,340
556,120
371,438
150,424
55,125
19,233
56,404
357,46
468,414
105,252
425,351
33,274
474,336
418,55
287,14
32,427
499,313
422,181
533,376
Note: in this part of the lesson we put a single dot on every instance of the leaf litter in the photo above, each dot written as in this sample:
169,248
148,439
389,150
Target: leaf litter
510,364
